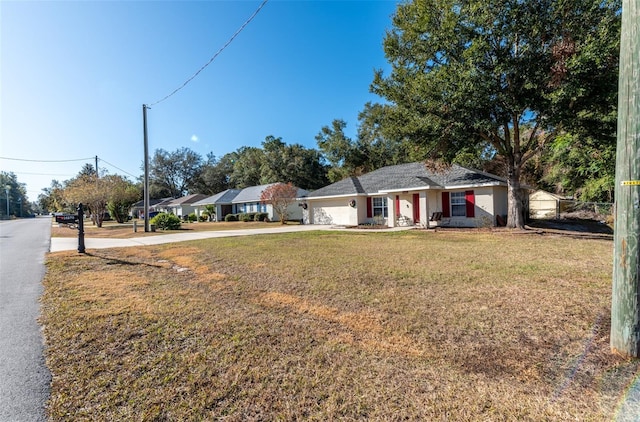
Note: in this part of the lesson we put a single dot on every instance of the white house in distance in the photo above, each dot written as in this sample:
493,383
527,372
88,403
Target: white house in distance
247,200
155,205
410,194
222,201
182,207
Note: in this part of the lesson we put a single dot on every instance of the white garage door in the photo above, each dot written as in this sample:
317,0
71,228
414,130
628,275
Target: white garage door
334,211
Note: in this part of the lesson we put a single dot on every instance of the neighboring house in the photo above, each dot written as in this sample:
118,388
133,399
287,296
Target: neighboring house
222,202
544,204
248,200
182,207
155,205
410,194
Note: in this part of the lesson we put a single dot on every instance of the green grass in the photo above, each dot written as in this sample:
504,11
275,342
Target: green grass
321,326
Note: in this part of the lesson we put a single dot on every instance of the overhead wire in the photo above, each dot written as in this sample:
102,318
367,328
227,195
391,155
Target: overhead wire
41,174
214,56
63,161
47,161
117,168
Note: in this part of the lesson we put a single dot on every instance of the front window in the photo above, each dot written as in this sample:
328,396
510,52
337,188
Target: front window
380,207
458,204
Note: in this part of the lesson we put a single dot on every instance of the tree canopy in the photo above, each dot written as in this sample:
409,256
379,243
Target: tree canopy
506,75
174,174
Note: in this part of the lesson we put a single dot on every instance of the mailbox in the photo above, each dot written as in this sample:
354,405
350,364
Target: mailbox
67,219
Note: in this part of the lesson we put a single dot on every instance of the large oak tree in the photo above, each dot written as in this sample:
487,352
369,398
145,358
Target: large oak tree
508,74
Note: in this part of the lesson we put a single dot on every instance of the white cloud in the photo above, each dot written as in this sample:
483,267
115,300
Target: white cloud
194,138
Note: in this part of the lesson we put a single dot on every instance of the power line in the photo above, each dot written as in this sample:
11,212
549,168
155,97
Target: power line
41,174
117,168
62,161
215,55
46,161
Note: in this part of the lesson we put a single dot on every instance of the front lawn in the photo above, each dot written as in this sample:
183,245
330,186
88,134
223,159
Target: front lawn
332,325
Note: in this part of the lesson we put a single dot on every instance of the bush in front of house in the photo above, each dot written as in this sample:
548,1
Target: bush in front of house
260,216
192,217
231,217
166,221
247,216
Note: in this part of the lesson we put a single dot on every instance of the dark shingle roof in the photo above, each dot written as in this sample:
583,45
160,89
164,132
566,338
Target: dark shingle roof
250,194
152,202
187,200
253,194
407,176
224,197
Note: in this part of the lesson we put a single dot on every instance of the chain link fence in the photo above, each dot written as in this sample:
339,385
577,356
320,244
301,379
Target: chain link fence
585,210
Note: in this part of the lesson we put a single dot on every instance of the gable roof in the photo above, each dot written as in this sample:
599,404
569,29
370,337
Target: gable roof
224,197
543,194
409,176
253,193
153,202
187,200
250,194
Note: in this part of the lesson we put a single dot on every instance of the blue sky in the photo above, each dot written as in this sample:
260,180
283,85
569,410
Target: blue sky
74,76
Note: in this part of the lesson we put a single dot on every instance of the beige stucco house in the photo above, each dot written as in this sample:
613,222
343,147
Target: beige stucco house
408,195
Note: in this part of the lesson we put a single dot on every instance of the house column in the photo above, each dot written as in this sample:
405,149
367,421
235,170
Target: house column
424,209
391,209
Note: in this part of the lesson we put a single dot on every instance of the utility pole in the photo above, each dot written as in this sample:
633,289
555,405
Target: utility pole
625,300
146,169
97,175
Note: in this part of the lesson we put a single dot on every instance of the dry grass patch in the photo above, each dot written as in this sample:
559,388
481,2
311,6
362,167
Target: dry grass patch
322,326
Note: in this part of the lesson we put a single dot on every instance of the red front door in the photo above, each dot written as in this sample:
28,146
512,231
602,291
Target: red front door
416,208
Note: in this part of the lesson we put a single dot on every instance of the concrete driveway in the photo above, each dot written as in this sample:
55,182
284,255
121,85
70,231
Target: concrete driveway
69,244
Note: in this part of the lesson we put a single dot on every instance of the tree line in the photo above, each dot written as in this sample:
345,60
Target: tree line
526,90
13,194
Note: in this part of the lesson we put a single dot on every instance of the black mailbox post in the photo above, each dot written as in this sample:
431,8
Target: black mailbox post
80,229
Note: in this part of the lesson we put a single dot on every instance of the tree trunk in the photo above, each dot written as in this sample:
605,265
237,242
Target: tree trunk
515,205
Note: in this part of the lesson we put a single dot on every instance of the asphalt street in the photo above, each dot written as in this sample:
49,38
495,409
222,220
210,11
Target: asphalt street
24,377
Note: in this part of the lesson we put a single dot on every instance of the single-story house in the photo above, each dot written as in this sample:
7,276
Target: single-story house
410,194
248,200
222,202
182,207
155,205
543,204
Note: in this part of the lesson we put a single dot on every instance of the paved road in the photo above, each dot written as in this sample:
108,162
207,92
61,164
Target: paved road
24,378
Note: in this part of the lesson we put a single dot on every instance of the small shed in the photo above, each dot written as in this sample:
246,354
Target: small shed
543,204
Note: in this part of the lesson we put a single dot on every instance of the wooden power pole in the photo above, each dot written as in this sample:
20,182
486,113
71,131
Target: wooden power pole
625,301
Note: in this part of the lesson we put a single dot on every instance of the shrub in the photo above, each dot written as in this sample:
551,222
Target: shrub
260,216
231,217
166,221
245,217
192,217
207,216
